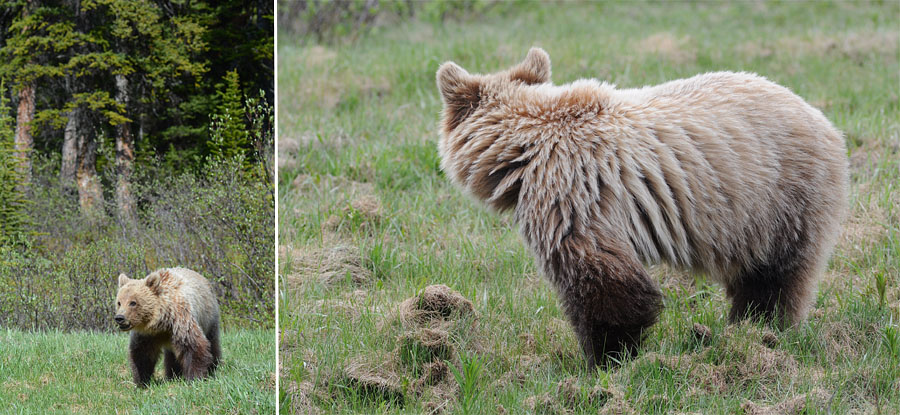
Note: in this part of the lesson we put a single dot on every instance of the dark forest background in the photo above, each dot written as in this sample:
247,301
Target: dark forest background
134,135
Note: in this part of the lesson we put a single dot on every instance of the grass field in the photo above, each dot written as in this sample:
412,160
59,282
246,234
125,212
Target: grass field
88,373
368,221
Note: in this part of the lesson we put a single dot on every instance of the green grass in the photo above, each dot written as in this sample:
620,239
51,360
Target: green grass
88,373
361,119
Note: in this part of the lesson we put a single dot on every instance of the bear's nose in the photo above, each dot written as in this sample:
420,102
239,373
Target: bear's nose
120,319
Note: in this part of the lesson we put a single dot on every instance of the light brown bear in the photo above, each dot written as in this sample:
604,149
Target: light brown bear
723,173
172,310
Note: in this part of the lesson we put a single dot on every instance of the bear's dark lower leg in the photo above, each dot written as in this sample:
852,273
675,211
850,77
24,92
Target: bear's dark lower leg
143,351
608,297
173,367
195,360
773,294
215,348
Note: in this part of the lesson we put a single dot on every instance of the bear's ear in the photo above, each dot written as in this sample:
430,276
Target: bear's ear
123,279
460,92
535,69
153,281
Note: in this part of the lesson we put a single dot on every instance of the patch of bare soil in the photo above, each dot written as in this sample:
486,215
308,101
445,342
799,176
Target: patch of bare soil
327,266
678,50
813,401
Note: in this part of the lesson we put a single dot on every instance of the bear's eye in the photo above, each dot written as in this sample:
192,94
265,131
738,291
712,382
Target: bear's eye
132,304
119,303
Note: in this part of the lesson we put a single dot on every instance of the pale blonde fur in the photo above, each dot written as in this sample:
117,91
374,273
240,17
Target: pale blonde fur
725,173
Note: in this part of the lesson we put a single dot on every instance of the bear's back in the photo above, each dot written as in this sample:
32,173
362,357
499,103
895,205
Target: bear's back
199,294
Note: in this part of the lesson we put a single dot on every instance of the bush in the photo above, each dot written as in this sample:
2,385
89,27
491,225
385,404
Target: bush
218,220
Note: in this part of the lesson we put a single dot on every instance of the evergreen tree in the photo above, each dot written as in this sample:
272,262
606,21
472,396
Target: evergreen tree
229,136
12,200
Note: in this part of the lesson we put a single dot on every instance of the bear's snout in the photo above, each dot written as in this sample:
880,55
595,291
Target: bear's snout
120,320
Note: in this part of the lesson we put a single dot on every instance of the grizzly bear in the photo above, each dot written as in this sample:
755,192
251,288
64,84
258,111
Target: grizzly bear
172,310
723,173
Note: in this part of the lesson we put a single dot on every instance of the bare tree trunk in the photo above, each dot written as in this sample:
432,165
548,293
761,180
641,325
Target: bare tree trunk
124,156
24,141
90,193
69,152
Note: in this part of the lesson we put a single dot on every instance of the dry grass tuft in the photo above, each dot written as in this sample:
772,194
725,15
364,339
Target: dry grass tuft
327,266
678,50
436,302
813,401
378,382
701,333
368,206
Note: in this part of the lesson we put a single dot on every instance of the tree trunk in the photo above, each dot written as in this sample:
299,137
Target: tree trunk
69,152
124,156
24,142
90,193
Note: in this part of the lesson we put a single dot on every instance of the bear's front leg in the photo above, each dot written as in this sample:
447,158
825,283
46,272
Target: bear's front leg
143,351
193,353
606,294
173,367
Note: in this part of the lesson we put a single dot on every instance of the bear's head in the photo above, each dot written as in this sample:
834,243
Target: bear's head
138,301
463,93
477,109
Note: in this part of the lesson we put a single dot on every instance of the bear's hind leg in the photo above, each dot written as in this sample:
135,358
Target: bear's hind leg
608,297
215,347
779,292
193,352
173,367
143,352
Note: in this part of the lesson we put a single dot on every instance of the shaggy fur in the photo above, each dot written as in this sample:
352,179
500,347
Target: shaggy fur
173,311
723,173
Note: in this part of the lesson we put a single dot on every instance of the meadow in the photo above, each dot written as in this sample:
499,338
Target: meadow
53,372
370,228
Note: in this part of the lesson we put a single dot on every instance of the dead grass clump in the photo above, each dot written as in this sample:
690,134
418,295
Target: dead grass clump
328,184
423,346
318,55
436,386
671,279
368,206
544,404
436,302
375,382
854,45
303,183
812,401
739,359
301,398
701,333
678,50
841,341
574,396
327,266
571,397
